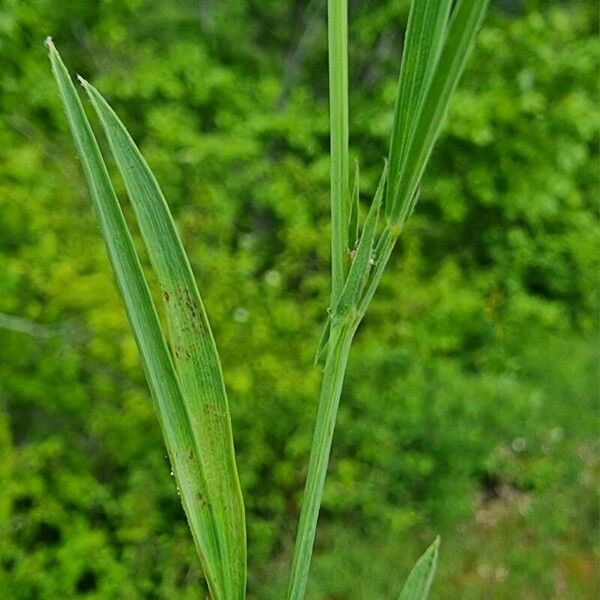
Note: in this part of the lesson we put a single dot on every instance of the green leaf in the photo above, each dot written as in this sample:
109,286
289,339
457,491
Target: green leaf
419,581
181,441
363,260
425,36
464,24
353,230
195,354
194,349
323,341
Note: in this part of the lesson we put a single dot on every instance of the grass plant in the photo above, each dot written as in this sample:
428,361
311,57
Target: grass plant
184,373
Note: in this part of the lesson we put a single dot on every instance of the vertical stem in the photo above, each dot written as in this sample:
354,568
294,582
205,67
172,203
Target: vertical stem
333,378
341,333
340,341
337,19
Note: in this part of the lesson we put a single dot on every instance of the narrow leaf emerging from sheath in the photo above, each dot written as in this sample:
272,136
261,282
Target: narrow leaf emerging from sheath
419,581
464,24
361,265
195,353
425,36
181,439
323,341
353,231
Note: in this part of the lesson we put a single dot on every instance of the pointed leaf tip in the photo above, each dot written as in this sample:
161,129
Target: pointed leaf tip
195,355
160,370
419,581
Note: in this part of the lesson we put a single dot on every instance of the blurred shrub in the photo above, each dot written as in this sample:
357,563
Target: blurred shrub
469,407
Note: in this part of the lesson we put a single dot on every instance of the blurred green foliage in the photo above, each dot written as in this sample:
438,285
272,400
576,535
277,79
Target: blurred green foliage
470,407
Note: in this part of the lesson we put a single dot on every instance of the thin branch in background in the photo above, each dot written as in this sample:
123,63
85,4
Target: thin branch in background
68,328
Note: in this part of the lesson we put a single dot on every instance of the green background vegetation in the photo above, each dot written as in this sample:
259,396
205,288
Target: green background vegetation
470,408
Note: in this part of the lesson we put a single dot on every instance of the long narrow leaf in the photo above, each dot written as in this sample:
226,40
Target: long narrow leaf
195,353
159,368
464,24
425,36
419,581
361,265
323,341
354,209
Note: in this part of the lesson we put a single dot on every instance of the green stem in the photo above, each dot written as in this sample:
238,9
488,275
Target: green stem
342,332
340,341
337,19
333,378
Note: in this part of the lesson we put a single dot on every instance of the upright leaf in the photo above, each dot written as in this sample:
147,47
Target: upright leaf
361,265
464,24
160,371
323,341
353,228
425,36
419,581
195,353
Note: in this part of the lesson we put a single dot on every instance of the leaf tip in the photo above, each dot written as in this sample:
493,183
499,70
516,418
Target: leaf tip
53,54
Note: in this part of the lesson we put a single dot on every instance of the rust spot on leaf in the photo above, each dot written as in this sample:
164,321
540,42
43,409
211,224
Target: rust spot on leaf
181,353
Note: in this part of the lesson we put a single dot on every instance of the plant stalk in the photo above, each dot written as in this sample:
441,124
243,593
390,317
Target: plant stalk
342,331
340,342
331,389
337,26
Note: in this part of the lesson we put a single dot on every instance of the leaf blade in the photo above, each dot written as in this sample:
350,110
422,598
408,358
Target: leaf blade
195,354
144,321
361,265
425,36
353,226
419,581
465,21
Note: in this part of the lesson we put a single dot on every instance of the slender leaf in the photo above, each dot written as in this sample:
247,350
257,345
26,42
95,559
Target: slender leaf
323,340
361,265
425,36
353,228
195,353
160,371
464,24
419,581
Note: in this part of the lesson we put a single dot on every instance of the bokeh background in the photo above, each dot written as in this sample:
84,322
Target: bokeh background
471,403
